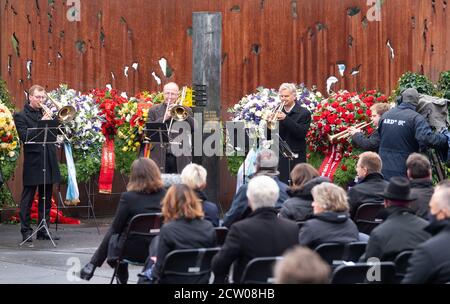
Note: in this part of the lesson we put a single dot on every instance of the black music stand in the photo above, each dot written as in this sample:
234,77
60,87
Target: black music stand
156,132
45,133
287,153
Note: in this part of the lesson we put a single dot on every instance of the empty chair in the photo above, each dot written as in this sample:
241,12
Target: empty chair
401,262
259,270
332,253
221,234
366,217
354,251
187,266
363,273
133,246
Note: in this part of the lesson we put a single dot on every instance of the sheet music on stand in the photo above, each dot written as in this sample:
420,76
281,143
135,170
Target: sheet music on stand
156,132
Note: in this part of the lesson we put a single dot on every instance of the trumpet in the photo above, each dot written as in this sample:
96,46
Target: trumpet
346,133
272,122
65,114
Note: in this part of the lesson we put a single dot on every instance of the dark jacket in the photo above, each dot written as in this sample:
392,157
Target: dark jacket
401,230
209,208
239,206
369,190
293,131
183,234
130,204
423,189
298,206
430,262
33,163
367,143
262,234
158,153
328,227
402,132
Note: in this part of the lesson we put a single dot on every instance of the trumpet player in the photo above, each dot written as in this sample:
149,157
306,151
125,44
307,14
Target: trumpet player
163,113
33,165
294,123
372,141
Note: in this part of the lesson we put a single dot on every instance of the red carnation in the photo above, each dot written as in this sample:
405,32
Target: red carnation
344,168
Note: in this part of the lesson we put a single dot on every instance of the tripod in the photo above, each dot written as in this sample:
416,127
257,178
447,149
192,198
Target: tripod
44,129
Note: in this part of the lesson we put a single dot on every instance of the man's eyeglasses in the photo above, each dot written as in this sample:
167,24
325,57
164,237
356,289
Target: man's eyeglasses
39,97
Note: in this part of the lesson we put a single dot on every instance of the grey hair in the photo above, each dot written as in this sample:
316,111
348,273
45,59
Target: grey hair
288,86
442,197
330,197
194,176
262,191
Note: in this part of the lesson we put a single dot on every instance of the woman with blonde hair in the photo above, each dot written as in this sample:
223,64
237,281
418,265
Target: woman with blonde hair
184,228
331,222
144,194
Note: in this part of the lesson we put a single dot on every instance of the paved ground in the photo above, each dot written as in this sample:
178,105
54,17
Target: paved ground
44,264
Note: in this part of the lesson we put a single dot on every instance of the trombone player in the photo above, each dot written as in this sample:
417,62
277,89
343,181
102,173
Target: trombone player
33,165
169,111
372,141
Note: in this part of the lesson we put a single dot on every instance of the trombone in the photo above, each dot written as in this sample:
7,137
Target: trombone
346,133
272,122
65,114
178,112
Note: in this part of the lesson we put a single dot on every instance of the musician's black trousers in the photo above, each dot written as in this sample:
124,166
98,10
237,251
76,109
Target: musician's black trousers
27,201
171,163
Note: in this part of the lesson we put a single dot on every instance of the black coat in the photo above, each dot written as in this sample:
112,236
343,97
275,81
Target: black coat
401,230
298,206
423,189
369,190
293,131
369,143
262,234
430,262
33,164
130,204
183,234
402,132
328,227
209,208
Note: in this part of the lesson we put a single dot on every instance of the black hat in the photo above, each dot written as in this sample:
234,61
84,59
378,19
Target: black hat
399,190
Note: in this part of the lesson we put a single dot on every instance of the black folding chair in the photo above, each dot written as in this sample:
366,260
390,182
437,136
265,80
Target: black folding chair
188,266
364,273
366,217
332,253
141,229
354,250
221,234
401,262
259,270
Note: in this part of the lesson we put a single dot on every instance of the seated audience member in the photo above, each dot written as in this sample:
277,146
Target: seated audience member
401,229
301,265
266,165
331,222
298,207
419,173
194,176
262,234
144,195
371,142
184,228
371,184
430,261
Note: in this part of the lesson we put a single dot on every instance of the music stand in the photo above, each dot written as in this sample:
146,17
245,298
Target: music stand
45,133
287,153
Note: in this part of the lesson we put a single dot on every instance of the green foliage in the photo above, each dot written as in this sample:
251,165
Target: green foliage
5,97
444,85
87,164
414,80
124,159
6,199
315,159
234,162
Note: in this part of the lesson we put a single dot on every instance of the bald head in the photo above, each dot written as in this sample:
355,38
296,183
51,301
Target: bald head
170,92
